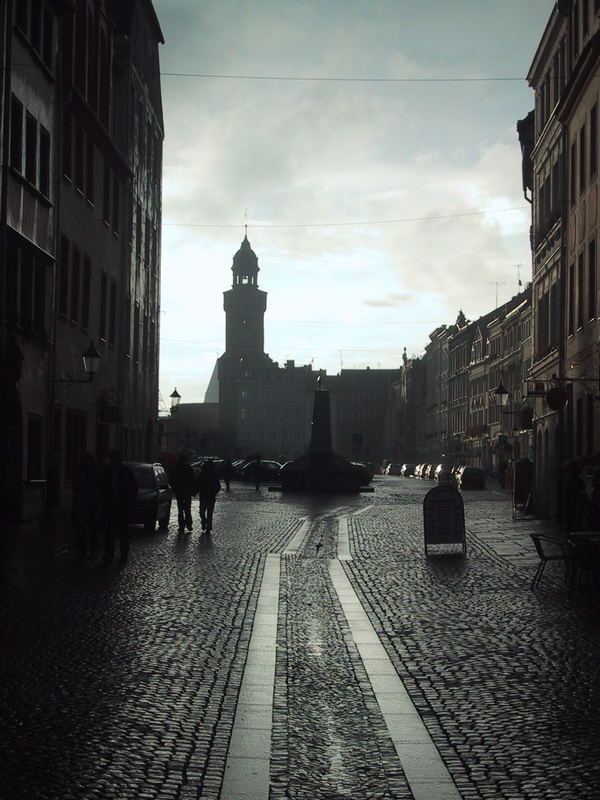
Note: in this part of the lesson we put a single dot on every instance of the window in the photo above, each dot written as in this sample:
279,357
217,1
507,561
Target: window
138,230
79,157
136,333
580,293
63,278
571,299
590,424
31,145
594,140
103,302
48,39
572,176
39,296
80,45
85,293
116,204
44,186
22,17
106,195
16,134
75,284
26,291
592,279
67,145
582,164
112,316
89,188
12,285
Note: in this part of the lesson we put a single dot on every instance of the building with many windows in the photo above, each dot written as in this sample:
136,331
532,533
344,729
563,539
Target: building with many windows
82,132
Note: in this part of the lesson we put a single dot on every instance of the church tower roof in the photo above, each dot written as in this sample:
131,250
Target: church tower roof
245,265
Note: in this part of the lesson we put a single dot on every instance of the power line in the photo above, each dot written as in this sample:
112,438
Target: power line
330,79
347,224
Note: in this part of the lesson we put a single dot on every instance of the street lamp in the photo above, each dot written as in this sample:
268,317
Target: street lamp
501,394
175,400
91,362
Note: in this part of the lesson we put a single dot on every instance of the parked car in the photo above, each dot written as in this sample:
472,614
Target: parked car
443,473
269,470
154,497
428,472
471,478
393,469
366,471
407,470
418,470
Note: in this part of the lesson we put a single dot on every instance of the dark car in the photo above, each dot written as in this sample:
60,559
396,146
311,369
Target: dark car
366,471
153,501
269,470
393,469
408,470
428,473
471,478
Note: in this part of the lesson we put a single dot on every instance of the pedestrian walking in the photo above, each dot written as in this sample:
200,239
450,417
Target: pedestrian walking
255,471
227,472
183,483
209,487
118,490
86,503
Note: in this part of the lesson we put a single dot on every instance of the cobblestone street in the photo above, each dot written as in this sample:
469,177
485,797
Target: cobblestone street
307,649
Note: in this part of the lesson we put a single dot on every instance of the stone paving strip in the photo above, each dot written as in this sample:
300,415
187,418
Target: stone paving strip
247,771
424,769
298,540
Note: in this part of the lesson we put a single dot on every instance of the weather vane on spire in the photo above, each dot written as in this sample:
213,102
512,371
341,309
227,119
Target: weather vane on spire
246,222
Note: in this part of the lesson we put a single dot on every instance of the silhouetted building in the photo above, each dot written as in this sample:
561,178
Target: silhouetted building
263,408
81,127
564,168
266,408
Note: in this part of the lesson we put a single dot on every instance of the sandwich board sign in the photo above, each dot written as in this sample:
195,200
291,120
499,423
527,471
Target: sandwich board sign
444,521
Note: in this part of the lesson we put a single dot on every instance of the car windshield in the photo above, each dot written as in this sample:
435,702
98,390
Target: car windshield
144,477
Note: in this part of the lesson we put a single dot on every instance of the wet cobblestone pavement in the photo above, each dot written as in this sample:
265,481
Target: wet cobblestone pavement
122,682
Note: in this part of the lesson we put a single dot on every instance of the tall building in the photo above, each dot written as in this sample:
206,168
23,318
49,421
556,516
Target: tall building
263,408
562,166
81,131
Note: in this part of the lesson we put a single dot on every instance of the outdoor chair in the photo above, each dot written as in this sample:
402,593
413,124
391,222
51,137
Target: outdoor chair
551,548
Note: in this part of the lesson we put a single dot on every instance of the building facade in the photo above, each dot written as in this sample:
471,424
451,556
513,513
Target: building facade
81,185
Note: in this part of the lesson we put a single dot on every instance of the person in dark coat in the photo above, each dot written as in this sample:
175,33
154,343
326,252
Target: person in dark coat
183,483
208,488
118,490
227,471
86,502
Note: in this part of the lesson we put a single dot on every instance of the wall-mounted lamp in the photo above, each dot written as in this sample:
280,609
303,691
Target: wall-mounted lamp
175,400
91,362
501,394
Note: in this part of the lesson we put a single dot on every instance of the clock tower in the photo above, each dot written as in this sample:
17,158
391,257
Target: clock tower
245,305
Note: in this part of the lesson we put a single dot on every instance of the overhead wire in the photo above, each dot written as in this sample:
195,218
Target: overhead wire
346,224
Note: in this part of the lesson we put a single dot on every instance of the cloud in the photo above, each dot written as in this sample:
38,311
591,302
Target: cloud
442,159
389,301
